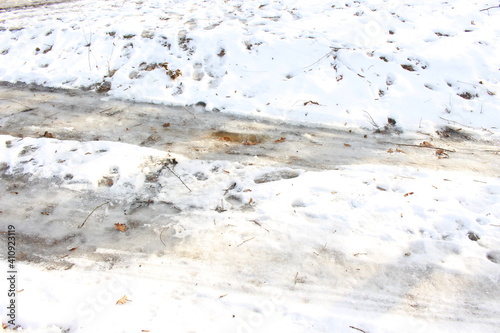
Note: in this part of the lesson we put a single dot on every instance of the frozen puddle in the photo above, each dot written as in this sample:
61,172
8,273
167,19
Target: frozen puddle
220,223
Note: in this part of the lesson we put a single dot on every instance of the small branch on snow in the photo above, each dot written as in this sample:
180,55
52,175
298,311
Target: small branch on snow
161,233
372,121
172,171
418,146
319,252
28,108
92,212
245,241
355,328
482,10
456,122
260,225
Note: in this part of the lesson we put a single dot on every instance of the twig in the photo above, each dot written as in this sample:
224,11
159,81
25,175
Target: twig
323,57
373,121
456,122
482,10
245,241
260,225
319,252
189,112
359,329
28,108
334,50
161,233
172,171
81,225
437,148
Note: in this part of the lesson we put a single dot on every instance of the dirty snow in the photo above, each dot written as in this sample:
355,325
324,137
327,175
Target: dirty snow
235,222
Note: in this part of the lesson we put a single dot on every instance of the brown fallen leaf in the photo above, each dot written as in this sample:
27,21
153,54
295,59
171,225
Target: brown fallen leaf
73,249
426,144
441,154
247,190
390,151
381,188
347,145
409,193
123,300
121,227
226,171
45,213
48,135
166,125
88,153
280,140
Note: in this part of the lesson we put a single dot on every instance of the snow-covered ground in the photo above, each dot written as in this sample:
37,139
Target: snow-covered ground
309,61
244,220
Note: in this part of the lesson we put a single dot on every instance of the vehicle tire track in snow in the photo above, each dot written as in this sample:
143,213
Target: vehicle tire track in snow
85,116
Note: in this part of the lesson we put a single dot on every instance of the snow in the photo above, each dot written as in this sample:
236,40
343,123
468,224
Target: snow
270,59
263,201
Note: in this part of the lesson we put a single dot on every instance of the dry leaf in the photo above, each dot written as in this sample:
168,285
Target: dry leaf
226,171
121,227
347,145
123,300
280,140
88,153
247,190
441,154
166,125
73,249
390,150
409,193
426,144
45,213
381,188
48,135
311,102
